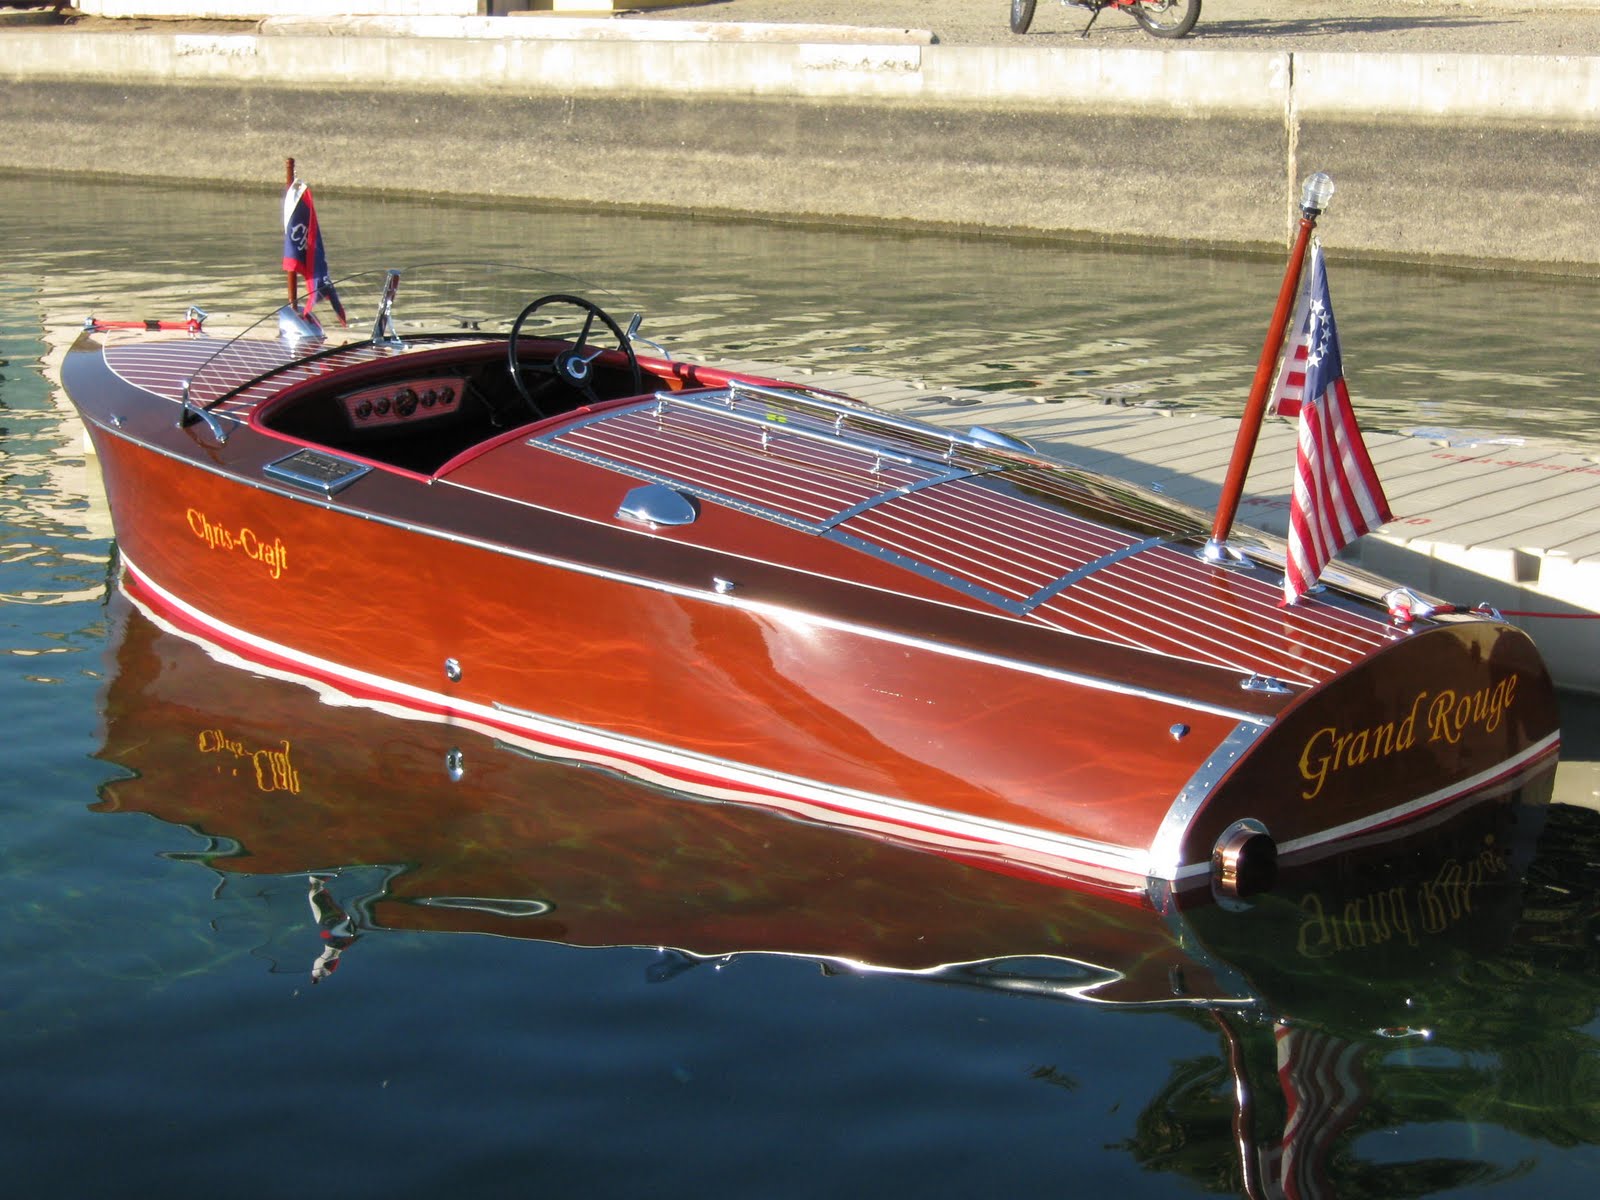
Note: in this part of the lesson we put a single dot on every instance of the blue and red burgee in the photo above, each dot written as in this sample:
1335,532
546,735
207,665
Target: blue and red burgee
303,252
1337,496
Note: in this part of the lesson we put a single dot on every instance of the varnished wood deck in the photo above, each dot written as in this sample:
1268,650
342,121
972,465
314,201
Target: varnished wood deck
1515,526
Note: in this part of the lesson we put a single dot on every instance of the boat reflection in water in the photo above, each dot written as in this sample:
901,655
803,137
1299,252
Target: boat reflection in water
1322,992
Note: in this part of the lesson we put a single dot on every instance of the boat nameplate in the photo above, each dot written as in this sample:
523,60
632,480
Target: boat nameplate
317,471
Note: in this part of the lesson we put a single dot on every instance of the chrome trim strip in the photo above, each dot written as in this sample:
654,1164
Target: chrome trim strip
775,611
1164,848
1050,591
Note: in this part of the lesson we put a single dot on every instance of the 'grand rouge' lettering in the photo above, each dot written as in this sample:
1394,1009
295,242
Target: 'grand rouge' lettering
1447,717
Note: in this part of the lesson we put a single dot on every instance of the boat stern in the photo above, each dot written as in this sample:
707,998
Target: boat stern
1460,712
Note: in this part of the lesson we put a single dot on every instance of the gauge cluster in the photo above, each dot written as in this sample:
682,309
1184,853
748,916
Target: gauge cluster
406,402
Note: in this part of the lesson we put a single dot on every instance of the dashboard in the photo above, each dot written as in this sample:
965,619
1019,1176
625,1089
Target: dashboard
403,402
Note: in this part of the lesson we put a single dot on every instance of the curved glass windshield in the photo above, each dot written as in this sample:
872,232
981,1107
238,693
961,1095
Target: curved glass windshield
429,300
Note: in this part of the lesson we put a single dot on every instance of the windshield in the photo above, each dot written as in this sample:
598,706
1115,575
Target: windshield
431,299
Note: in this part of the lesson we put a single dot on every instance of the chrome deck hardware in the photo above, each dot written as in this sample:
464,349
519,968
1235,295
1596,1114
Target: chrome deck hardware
190,412
383,330
657,505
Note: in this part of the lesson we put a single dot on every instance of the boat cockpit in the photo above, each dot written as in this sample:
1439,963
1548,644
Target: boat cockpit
419,402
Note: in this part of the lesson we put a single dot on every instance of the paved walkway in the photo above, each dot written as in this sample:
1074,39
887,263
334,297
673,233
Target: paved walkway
1537,27
1420,26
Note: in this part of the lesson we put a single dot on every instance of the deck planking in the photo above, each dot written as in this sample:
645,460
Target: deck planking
1516,526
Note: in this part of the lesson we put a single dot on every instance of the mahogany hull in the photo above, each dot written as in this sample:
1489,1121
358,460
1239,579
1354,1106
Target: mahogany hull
704,691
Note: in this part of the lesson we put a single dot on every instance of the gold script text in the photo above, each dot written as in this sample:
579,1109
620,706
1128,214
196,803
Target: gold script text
1446,716
271,766
273,555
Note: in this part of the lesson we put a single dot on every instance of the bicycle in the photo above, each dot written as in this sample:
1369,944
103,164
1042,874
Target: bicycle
1159,18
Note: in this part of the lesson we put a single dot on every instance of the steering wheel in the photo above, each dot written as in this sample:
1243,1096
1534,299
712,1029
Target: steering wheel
572,368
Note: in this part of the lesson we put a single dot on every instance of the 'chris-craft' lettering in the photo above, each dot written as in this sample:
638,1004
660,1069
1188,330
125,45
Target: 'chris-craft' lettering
273,555
272,767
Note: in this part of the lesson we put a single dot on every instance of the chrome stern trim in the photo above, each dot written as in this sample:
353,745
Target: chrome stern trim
1164,861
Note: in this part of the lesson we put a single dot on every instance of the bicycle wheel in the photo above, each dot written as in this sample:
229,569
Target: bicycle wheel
1160,18
1021,15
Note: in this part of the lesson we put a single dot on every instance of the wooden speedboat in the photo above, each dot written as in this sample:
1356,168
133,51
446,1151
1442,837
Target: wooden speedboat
741,586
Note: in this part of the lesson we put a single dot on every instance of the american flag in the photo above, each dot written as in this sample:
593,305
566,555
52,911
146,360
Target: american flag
1337,496
303,252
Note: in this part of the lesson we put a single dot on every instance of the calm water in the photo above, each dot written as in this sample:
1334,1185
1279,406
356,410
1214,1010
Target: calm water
545,980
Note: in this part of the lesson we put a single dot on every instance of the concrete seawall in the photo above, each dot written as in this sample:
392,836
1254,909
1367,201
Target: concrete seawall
1466,158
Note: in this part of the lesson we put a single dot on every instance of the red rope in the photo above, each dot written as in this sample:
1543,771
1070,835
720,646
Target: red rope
152,326
1402,601
1512,612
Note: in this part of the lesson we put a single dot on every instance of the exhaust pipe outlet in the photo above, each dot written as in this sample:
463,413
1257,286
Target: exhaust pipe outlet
1244,862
